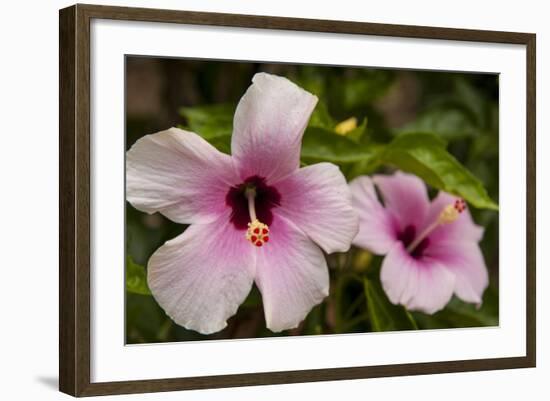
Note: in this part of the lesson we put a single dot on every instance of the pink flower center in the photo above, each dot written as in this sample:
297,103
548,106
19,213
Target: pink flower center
416,245
266,198
407,237
251,203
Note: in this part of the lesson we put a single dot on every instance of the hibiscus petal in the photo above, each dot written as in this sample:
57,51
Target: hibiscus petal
419,284
268,127
462,229
180,175
202,276
466,261
292,275
377,228
317,199
405,196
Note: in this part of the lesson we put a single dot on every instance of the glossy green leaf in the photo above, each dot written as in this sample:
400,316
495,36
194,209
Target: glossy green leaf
425,156
210,121
448,123
136,278
350,312
214,123
322,145
321,117
146,322
360,133
222,143
461,314
384,316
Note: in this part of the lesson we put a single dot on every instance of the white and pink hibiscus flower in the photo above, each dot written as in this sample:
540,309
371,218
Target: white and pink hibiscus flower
254,216
431,248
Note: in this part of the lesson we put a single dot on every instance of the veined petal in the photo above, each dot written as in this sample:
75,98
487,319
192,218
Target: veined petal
378,229
180,175
463,229
317,199
419,284
465,260
292,275
405,196
202,276
268,127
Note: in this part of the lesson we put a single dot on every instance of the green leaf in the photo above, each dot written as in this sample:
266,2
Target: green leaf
222,143
214,123
210,121
425,156
320,145
384,316
146,322
448,123
350,314
136,278
460,314
358,134
321,117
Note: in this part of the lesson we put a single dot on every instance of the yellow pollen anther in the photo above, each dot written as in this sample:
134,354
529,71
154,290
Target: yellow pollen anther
448,215
451,212
257,233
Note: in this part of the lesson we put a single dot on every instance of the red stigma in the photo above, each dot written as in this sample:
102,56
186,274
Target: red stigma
257,233
460,205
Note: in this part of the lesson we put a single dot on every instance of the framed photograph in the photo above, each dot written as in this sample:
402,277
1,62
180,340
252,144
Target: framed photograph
250,200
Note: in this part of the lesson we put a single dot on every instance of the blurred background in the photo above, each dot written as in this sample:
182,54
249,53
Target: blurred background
460,108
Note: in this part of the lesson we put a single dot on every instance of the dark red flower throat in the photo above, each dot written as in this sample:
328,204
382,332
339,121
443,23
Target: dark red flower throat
267,198
407,236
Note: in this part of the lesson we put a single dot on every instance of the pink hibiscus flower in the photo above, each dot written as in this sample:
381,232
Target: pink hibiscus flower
254,216
431,247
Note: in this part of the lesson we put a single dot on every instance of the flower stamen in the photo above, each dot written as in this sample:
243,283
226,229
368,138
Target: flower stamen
257,232
449,214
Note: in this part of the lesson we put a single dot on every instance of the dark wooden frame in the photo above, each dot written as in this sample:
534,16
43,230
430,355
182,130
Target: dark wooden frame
74,203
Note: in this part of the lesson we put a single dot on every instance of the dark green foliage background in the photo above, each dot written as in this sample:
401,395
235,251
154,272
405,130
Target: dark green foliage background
441,126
